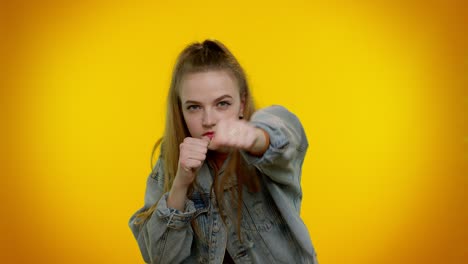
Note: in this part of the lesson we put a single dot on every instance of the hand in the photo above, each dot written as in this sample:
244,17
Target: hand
238,134
192,154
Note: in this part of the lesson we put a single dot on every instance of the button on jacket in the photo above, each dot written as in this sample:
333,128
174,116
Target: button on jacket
271,228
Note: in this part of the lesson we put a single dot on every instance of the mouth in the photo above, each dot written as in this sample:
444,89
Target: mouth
210,135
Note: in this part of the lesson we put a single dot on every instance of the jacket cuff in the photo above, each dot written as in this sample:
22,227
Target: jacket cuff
175,218
278,145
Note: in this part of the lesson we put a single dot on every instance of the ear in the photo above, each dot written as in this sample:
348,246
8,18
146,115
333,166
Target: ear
242,105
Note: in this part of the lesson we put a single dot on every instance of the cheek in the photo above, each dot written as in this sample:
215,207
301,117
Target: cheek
234,111
192,123
232,115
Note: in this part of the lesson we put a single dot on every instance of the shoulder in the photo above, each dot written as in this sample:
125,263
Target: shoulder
277,118
275,114
157,173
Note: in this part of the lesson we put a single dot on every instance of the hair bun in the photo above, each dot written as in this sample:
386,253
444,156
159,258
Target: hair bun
212,45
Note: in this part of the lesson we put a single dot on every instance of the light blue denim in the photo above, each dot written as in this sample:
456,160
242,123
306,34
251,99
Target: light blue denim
271,228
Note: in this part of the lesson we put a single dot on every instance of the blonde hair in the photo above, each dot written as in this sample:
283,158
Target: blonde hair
199,57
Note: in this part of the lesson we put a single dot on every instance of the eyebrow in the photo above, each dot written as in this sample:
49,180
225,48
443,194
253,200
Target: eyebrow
216,100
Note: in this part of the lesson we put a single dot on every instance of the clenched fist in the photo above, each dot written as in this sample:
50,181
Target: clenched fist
192,154
239,134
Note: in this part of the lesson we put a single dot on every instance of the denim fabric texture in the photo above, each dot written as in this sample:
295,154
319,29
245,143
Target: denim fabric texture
271,228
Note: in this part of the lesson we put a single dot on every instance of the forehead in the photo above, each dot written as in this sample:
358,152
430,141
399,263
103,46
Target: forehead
202,86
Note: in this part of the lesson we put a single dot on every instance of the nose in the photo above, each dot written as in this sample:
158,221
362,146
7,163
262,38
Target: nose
208,119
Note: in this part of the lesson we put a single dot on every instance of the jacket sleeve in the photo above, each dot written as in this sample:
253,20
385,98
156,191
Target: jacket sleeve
166,236
282,161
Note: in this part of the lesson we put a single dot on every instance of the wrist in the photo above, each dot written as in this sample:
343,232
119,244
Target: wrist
179,187
261,143
177,196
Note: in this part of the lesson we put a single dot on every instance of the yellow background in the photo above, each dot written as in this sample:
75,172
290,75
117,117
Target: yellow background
380,87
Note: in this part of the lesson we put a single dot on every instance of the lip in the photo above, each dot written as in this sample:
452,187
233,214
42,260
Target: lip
209,134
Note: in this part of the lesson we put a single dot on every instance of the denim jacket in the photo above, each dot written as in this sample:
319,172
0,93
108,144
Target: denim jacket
271,228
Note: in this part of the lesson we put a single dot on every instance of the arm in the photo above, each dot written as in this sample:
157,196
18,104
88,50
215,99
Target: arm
166,236
262,142
282,160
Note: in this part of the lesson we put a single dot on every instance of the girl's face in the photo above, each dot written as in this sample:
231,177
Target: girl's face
208,97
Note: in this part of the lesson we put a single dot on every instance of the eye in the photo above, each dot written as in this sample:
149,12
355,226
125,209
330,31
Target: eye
193,107
223,104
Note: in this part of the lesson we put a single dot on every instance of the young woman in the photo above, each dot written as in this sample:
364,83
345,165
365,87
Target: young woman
226,187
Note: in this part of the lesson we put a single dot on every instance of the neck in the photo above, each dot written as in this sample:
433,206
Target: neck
218,158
